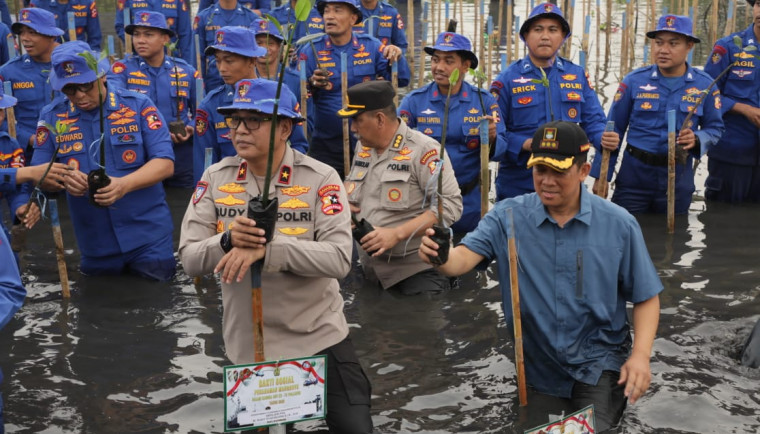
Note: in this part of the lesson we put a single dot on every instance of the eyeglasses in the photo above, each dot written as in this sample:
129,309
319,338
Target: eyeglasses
252,123
72,88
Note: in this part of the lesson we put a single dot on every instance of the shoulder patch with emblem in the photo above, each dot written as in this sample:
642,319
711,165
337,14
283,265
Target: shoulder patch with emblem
200,190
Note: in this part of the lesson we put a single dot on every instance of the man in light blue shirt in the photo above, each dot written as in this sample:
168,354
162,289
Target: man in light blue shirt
581,260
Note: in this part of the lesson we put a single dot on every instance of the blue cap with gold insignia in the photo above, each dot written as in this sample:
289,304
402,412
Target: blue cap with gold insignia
266,27
39,20
258,94
556,144
679,24
238,40
354,4
449,41
150,19
6,100
69,67
545,10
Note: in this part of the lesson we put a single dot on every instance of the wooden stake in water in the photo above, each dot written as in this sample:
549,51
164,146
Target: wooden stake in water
514,288
508,30
55,222
671,170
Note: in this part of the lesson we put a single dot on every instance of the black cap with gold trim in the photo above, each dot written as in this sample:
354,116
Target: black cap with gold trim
366,96
556,144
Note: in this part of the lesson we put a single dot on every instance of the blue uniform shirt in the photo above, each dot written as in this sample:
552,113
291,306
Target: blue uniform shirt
211,130
31,87
6,37
11,159
134,73
641,105
177,13
386,24
525,107
85,19
424,108
366,62
574,284
741,84
286,15
135,133
206,23
259,5
12,291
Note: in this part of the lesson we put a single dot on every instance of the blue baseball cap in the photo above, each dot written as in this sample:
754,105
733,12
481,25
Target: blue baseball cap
674,24
545,10
258,94
151,19
238,40
448,41
353,3
39,20
6,100
266,27
69,67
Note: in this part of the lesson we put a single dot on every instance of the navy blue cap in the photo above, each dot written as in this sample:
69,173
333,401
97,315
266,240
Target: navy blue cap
545,10
39,20
353,3
674,24
6,100
69,67
151,19
258,94
367,96
266,27
448,41
238,40
556,144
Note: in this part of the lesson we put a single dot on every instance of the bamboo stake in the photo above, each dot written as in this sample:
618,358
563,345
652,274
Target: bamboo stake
492,41
423,58
731,18
410,55
394,82
500,27
671,170
517,38
344,92
111,50
508,31
604,170
516,320
624,47
598,45
477,5
58,238
482,33
695,8
304,97
127,37
607,33
72,26
10,111
714,23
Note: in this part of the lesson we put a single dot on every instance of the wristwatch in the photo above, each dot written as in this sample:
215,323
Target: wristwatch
226,241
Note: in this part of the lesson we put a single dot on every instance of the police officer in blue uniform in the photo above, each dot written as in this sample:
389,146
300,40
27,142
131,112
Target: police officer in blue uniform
177,13
526,105
734,164
130,229
12,294
286,14
268,66
29,72
152,73
641,105
366,62
85,19
382,21
235,52
258,6
224,13
424,109
7,40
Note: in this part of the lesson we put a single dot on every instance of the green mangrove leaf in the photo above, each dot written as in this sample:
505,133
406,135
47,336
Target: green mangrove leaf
454,77
276,23
303,7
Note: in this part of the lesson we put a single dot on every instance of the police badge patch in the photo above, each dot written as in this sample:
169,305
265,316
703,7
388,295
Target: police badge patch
200,190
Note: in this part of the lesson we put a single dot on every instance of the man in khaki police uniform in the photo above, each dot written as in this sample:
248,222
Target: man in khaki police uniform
392,184
309,251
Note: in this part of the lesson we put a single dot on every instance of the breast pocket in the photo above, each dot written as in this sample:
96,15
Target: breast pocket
433,130
395,188
361,68
688,106
571,105
127,145
295,222
738,80
471,135
645,112
524,106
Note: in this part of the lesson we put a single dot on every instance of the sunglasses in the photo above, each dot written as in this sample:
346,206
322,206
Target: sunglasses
72,88
252,123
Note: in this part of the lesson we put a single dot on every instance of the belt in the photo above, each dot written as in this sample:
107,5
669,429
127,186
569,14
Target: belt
647,157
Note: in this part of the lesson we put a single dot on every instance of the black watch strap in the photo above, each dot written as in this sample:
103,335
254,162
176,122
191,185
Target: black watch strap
226,241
